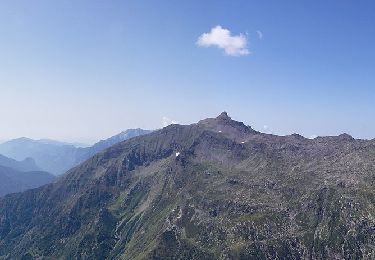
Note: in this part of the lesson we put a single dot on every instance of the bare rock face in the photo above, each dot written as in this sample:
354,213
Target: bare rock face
212,190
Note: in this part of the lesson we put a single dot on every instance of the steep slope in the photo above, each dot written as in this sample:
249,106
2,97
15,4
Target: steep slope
28,164
57,157
212,190
12,181
85,153
125,135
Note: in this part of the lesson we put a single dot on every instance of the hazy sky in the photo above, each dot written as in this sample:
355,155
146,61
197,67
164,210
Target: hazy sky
85,70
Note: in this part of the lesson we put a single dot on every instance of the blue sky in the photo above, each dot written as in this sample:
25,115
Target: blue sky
85,70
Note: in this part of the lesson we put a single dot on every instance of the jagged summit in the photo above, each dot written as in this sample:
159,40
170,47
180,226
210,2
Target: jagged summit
223,116
225,125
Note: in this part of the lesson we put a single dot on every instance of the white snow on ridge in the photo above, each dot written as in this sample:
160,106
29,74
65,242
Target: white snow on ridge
177,154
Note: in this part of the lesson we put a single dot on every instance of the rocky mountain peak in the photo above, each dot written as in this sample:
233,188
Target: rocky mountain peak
224,116
225,125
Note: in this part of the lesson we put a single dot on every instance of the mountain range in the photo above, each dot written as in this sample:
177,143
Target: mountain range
216,189
28,164
12,181
17,176
58,157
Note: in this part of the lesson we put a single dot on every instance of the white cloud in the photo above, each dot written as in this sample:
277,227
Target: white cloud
220,37
267,130
167,121
260,35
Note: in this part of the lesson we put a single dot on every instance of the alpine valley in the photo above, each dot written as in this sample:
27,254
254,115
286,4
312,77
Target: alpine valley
216,189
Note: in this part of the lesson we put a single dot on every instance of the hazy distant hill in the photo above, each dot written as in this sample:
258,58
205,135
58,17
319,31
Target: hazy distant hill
27,164
212,190
52,157
54,142
58,157
12,181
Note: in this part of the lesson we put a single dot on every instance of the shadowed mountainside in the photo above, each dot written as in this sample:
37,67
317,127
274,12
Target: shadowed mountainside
12,180
212,190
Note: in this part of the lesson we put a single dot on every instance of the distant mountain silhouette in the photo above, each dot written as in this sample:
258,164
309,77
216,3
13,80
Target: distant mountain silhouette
49,141
12,181
58,157
28,164
52,157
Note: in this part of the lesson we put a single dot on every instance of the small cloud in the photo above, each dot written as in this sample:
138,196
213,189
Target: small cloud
267,129
221,38
167,121
260,35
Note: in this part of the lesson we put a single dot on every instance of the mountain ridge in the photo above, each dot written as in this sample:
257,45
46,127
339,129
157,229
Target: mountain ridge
28,164
216,189
13,181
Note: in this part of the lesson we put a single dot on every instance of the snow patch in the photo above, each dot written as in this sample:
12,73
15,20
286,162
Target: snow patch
177,154
242,142
179,214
